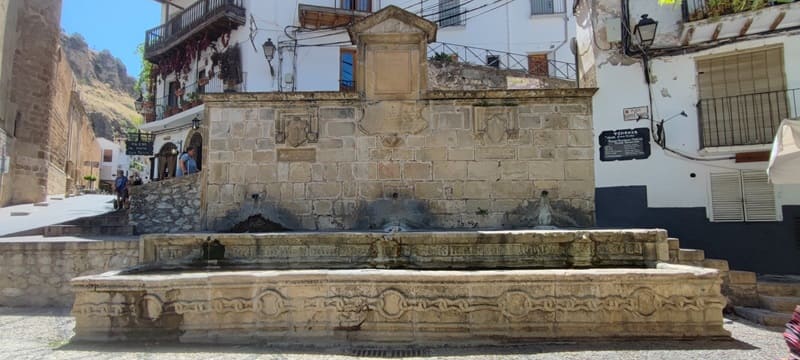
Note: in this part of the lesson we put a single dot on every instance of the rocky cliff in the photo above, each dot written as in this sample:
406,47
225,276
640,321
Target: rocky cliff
106,89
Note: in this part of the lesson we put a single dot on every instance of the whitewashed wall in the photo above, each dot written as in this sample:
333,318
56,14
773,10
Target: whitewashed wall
621,85
510,29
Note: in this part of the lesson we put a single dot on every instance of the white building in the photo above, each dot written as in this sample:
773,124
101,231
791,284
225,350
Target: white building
207,46
112,159
735,77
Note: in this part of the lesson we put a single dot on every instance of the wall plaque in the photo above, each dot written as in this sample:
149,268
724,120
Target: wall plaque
292,155
627,144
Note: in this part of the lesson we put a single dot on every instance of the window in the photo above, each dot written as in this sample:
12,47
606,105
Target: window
172,99
357,5
742,196
108,155
450,13
544,7
347,70
742,97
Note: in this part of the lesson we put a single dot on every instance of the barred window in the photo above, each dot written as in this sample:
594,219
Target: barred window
450,13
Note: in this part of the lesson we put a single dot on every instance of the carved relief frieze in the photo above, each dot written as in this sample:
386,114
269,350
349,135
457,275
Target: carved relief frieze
296,127
495,124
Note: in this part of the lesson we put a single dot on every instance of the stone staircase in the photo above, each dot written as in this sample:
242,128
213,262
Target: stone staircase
767,300
112,223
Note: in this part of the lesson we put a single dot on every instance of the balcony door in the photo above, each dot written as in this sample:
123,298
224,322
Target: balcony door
743,97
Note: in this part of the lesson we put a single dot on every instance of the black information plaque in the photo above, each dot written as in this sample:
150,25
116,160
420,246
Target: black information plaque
139,148
627,144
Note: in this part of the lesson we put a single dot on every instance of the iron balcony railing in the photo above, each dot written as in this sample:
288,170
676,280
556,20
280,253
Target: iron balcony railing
188,21
166,107
745,119
547,7
700,9
500,60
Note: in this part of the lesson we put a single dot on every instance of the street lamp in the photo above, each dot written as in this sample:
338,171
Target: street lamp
269,53
645,31
196,123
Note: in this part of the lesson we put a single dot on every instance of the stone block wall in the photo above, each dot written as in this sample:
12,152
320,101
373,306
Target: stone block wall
471,159
167,206
38,274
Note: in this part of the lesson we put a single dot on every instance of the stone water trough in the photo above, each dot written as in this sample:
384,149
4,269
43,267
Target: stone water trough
401,288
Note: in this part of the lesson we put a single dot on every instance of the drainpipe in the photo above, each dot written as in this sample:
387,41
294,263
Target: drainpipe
566,33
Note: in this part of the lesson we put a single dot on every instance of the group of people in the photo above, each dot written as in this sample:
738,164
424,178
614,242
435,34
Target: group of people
186,165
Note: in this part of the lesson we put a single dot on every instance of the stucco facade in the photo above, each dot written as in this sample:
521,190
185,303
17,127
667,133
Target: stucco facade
672,187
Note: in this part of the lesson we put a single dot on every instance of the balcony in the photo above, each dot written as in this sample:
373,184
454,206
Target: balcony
210,18
745,119
322,17
170,105
694,10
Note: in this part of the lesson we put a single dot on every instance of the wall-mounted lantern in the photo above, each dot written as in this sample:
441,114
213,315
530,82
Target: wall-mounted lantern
269,53
645,31
196,123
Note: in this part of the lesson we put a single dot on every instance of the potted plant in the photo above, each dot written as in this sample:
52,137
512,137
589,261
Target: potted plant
91,179
194,99
179,91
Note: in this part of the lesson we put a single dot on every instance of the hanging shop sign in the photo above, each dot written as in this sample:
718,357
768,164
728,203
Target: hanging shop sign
627,144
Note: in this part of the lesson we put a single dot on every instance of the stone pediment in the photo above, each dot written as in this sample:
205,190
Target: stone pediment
393,20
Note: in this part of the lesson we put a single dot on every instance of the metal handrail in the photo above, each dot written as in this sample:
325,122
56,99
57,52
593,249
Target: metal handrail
500,59
748,119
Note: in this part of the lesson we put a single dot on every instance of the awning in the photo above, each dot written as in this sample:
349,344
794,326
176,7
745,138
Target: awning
784,161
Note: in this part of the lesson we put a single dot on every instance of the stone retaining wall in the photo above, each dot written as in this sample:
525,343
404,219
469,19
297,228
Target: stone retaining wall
38,274
167,206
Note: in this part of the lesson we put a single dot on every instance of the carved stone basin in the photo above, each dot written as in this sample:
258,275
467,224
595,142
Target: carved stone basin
296,288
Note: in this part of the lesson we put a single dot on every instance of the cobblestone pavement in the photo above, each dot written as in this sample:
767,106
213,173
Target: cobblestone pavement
45,333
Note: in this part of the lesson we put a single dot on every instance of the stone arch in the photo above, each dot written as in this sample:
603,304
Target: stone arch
167,160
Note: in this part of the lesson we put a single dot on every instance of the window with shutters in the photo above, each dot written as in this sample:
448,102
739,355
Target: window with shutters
743,97
450,13
545,7
740,196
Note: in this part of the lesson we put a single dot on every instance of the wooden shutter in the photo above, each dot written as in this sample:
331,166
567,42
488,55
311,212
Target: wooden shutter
742,196
759,196
726,197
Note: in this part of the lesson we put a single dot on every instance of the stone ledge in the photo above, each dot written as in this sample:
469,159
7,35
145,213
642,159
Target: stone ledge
226,99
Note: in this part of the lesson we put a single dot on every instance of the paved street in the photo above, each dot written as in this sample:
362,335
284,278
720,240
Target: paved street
58,210
44,334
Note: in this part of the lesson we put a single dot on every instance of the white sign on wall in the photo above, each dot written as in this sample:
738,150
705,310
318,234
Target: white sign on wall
636,113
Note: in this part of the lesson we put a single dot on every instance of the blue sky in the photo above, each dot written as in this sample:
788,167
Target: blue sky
116,25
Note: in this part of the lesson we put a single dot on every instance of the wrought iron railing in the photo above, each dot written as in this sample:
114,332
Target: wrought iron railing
745,119
701,9
188,20
499,59
546,7
164,107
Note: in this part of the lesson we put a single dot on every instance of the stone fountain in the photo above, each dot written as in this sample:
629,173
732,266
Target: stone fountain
424,198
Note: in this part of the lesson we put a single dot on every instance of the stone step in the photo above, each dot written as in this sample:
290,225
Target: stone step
75,230
691,255
763,317
721,265
784,304
742,277
673,246
774,286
